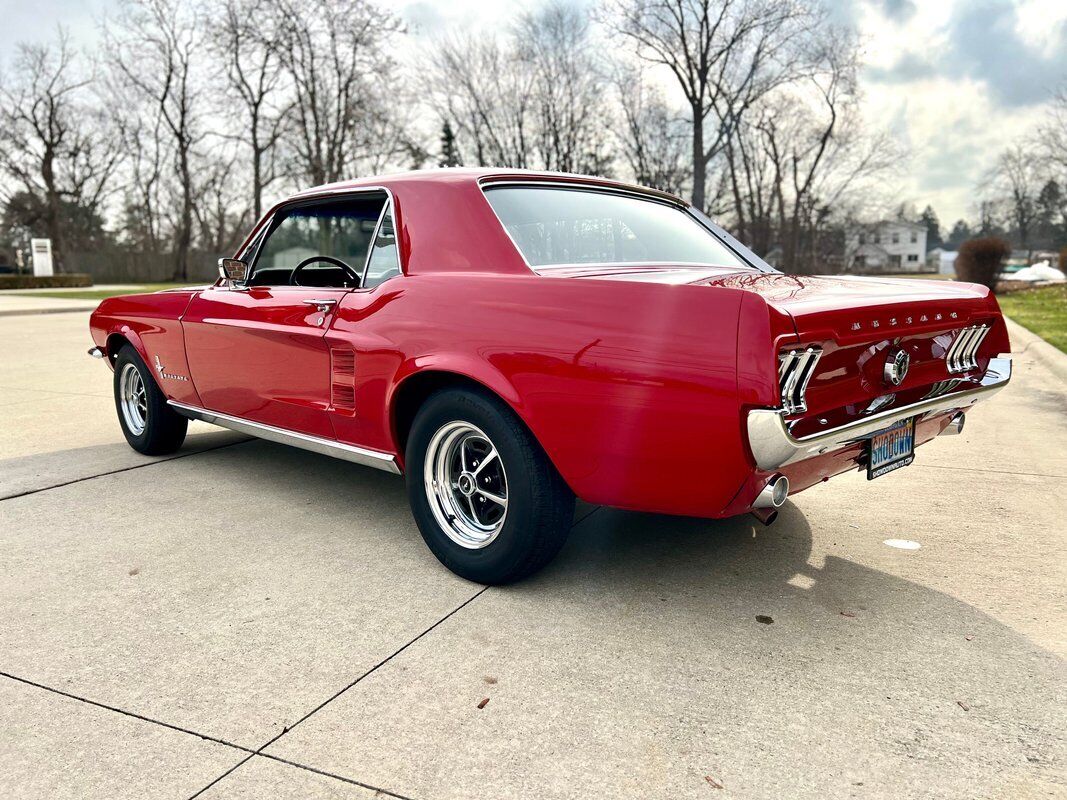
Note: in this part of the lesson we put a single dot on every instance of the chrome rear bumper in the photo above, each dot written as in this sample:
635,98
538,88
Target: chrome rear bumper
773,446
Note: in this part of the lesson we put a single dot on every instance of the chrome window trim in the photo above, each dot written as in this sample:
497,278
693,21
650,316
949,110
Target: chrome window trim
773,446
329,196
316,444
373,239
651,195
366,267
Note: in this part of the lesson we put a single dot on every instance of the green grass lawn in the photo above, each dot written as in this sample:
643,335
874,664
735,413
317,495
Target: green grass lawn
1042,310
89,293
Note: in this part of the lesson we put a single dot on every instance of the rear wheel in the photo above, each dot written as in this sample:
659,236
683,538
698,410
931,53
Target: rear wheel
487,500
150,425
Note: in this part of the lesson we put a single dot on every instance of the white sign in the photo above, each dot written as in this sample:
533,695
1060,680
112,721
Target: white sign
42,256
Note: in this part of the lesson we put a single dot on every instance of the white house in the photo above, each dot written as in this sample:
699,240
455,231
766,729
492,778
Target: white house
888,246
942,261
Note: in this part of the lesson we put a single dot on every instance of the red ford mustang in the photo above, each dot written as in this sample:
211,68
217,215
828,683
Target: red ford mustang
511,340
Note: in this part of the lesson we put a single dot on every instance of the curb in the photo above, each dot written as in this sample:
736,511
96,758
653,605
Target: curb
1033,346
25,312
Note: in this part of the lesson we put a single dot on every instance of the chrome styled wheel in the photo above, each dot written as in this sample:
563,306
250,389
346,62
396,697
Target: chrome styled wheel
133,399
466,484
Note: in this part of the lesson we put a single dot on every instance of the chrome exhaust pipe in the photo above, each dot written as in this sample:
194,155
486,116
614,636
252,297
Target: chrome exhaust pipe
774,494
955,425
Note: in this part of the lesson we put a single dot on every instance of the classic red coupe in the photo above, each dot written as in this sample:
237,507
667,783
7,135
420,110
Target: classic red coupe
511,340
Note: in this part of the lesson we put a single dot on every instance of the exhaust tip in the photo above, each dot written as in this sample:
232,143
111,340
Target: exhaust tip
765,515
955,425
774,494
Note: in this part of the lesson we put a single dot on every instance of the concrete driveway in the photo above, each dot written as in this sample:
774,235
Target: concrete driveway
247,620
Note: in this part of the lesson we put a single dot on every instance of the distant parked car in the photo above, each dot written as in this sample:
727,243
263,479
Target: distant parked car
512,340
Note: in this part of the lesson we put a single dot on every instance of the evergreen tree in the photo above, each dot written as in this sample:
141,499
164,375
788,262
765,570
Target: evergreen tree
933,228
449,151
961,232
1051,215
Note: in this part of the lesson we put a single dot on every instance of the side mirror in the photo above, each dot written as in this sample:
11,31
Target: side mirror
233,270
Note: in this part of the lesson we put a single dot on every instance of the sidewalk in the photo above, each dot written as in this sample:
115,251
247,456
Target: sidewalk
17,303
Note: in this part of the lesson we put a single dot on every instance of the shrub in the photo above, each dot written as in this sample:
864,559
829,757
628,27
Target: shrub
980,260
68,280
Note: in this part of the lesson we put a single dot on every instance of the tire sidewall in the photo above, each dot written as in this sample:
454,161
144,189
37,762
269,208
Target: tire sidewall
511,546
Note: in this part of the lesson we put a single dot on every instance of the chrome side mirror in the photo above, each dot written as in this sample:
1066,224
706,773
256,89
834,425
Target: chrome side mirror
233,271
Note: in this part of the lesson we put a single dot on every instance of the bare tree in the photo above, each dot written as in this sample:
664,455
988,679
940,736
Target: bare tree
154,47
255,82
335,55
145,176
725,55
530,99
222,209
1052,134
1015,182
571,133
653,137
802,150
52,139
476,85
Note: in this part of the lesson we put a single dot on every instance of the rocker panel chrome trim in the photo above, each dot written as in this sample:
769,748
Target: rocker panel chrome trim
774,447
346,452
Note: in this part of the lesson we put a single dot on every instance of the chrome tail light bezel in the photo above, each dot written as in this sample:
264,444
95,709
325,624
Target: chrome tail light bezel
795,370
962,354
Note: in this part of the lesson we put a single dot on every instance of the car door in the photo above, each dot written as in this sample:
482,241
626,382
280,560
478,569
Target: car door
257,350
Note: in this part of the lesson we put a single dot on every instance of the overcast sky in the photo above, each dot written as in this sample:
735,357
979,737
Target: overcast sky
955,80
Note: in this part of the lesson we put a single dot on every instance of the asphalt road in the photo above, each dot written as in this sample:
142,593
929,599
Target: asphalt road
247,620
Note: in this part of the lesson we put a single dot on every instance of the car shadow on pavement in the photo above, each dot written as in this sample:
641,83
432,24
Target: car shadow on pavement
941,681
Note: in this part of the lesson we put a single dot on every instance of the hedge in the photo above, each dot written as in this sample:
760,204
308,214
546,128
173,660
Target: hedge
69,280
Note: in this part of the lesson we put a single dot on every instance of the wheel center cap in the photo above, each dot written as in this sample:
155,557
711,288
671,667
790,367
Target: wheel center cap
467,484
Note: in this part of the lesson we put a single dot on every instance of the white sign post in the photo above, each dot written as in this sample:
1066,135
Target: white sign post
42,256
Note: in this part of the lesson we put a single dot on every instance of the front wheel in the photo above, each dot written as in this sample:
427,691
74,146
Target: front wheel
488,502
148,423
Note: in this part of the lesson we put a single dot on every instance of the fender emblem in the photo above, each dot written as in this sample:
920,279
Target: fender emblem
164,374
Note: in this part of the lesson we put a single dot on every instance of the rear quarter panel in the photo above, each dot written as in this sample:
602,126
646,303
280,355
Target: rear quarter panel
631,389
152,324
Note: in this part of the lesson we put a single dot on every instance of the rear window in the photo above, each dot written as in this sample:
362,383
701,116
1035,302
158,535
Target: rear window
560,226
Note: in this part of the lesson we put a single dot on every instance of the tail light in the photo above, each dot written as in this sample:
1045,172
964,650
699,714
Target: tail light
963,353
795,369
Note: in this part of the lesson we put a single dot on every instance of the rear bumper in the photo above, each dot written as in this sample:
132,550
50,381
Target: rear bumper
773,446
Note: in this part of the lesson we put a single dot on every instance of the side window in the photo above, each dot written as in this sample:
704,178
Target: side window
340,230
384,261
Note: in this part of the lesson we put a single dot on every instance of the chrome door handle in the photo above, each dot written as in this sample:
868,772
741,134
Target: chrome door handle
322,305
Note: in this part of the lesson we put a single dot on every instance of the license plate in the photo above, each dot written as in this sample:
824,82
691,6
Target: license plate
891,449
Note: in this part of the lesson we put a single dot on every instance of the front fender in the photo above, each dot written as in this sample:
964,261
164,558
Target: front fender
151,323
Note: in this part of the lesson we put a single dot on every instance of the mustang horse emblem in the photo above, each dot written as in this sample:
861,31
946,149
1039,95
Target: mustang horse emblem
164,374
896,367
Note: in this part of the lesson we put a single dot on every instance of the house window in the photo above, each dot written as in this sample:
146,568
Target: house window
860,261
914,237
912,257
876,239
863,238
896,238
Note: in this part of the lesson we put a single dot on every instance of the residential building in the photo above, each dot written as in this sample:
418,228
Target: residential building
887,246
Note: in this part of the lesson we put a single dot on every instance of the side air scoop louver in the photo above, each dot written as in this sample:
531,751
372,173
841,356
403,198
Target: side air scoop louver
962,356
795,369
343,379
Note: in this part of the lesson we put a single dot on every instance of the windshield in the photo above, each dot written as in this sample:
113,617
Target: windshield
556,226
